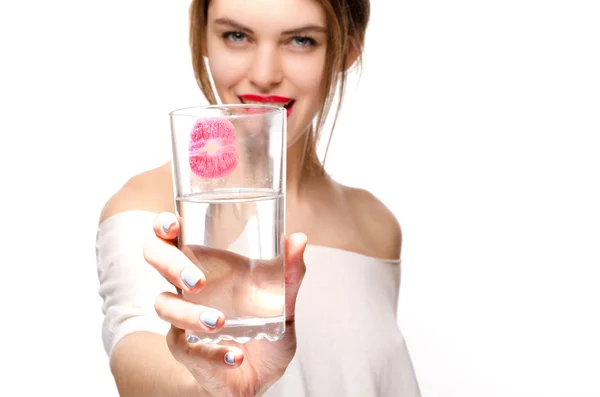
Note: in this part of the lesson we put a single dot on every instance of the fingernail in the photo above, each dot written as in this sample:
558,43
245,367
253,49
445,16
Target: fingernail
167,223
193,339
210,318
302,239
230,358
299,238
191,276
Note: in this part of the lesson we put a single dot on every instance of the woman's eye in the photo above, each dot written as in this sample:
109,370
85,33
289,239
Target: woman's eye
236,37
303,41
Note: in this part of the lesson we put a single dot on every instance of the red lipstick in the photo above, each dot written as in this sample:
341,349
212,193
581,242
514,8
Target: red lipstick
287,103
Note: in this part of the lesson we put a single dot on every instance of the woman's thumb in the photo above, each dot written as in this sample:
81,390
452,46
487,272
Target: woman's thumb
294,270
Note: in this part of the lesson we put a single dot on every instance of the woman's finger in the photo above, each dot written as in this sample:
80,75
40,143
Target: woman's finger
166,226
173,265
187,315
203,359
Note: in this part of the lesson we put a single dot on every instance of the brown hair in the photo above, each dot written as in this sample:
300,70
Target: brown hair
346,21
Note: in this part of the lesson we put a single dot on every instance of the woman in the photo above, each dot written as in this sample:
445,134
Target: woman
342,337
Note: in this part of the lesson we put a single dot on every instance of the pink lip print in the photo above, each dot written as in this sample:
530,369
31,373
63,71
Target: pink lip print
213,153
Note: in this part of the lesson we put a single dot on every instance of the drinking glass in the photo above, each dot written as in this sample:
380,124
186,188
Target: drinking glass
229,164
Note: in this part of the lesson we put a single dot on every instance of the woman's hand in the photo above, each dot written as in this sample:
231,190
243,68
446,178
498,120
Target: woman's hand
224,369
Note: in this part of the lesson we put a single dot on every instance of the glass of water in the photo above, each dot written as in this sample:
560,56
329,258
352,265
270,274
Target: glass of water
229,164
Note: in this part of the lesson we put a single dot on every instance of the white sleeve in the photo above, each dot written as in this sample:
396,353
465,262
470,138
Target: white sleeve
128,284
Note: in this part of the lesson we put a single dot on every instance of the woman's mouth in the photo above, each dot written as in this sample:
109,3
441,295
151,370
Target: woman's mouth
251,99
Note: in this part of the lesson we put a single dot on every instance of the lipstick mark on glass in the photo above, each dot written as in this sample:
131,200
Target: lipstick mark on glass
213,153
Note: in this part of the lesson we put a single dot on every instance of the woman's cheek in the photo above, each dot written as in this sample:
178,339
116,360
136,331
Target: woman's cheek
306,72
227,68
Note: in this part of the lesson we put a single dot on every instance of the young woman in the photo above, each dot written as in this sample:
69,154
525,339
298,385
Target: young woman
343,244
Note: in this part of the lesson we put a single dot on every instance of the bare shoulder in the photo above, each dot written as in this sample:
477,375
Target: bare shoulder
150,190
379,226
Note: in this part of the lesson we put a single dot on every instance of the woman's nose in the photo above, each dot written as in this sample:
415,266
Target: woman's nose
265,71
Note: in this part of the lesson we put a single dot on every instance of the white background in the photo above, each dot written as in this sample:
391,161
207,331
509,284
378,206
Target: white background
476,122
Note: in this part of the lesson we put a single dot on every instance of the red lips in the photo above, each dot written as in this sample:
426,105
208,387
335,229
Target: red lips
212,150
270,99
266,99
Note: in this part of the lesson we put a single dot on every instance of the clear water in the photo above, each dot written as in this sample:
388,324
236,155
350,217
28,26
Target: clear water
236,238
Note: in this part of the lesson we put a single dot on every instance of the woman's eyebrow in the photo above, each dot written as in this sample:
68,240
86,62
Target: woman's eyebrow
233,24
307,28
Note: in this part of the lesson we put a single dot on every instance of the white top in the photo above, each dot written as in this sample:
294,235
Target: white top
349,342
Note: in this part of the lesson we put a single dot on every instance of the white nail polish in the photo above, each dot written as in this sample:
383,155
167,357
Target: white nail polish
230,358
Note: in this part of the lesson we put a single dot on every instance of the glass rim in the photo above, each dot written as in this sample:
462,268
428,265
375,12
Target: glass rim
181,112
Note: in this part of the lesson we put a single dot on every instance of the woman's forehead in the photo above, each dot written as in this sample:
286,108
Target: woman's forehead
275,14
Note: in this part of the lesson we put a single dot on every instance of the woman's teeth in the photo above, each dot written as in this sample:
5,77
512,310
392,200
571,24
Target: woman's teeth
284,104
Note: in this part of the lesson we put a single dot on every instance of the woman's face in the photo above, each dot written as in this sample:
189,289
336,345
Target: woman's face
269,51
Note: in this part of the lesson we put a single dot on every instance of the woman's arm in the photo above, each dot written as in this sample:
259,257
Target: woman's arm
143,366
140,361
139,268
